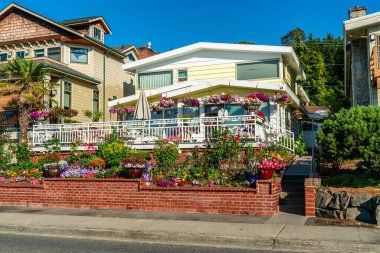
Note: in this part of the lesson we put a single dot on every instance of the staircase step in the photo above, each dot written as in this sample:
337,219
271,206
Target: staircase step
287,194
293,188
288,184
292,202
292,210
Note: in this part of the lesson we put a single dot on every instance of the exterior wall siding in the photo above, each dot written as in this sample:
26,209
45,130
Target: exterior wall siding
115,78
211,72
22,26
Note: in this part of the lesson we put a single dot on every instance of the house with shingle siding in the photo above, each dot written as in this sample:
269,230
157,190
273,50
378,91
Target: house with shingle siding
88,73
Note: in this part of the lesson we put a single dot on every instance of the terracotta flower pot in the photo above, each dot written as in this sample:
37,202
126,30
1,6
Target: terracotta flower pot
52,171
266,173
134,172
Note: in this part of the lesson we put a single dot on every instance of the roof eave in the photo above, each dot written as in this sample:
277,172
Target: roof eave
132,66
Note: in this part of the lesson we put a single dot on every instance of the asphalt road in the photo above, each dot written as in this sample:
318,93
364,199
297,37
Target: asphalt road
43,244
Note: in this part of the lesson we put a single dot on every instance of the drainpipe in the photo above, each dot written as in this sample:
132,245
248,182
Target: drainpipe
104,84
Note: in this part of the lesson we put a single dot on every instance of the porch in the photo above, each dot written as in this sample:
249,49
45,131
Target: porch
142,134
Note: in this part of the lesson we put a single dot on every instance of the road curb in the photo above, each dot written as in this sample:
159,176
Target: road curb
191,239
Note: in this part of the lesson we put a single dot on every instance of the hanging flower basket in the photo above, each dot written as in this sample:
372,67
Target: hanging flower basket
191,102
39,116
122,110
281,97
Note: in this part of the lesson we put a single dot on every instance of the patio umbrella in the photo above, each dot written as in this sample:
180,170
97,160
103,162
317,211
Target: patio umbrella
142,107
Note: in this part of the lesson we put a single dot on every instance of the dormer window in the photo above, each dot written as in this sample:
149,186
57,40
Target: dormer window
97,33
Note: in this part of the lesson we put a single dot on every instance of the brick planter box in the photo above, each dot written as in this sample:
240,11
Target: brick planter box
134,194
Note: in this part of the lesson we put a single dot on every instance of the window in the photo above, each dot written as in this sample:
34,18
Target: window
20,54
182,75
258,70
97,33
54,53
79,55
3,57
39,53
155,80
67,95
131,57
95,101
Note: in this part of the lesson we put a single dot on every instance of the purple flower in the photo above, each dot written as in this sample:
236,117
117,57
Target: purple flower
262,96
39,114
81,173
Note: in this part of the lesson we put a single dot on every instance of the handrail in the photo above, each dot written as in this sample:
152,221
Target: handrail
147,131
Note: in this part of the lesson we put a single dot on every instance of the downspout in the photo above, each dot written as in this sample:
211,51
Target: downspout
104,84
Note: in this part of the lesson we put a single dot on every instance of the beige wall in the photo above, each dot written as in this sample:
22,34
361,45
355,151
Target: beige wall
211,72
81,97
376,31
115,77
228,71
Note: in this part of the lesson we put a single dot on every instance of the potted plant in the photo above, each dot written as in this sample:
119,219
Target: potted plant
281,97
51,158
39,116
134,165
252,102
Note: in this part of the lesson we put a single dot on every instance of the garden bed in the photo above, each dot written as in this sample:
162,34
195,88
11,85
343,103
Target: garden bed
110,193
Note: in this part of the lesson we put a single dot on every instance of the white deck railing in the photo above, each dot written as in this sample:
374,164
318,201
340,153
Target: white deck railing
137,132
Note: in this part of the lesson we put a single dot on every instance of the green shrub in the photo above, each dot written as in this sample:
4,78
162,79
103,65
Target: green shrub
300,146
223,148
351,180
351,134
113,153
166,154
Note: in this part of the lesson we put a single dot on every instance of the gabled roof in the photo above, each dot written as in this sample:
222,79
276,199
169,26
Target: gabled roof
63,27
287,52
125,49
87,20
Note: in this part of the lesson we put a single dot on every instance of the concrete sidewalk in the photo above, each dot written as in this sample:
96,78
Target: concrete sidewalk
215,230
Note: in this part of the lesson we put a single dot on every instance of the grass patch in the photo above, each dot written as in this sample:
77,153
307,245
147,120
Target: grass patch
351,180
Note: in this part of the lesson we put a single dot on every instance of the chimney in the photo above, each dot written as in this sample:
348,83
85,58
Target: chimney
357,12
146,51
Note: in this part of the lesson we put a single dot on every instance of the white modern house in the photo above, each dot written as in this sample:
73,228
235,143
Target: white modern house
208,73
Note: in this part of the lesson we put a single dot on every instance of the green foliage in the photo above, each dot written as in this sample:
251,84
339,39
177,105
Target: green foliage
5,149
223,148
323,62
22,152
63,113
245,42
113,153
300,146
166,154
93,116
352,134
351,180
24,78
52,151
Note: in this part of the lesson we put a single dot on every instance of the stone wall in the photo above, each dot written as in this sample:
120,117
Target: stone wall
134,194
345,205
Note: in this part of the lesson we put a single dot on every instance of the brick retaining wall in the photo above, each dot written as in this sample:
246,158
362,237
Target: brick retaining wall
310,189
134,194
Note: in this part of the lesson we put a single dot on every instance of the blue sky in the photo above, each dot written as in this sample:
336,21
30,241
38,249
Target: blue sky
172,24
